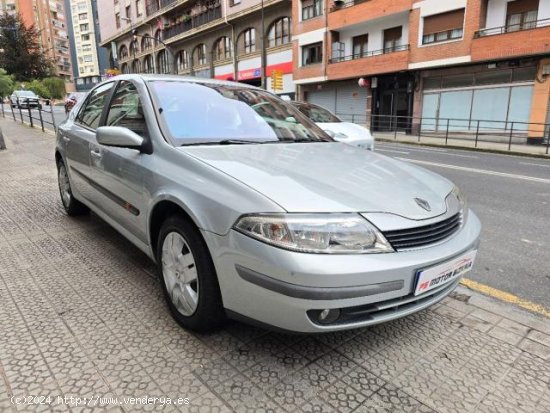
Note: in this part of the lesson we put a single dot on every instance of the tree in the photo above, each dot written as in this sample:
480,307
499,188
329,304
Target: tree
20,53
55,86
37,87
6,84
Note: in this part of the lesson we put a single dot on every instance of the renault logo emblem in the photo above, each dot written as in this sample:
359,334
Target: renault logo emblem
422,203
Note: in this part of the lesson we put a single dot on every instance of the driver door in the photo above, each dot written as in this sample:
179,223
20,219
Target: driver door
119,172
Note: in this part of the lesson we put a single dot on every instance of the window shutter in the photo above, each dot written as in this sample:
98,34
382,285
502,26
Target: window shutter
522,6
444,21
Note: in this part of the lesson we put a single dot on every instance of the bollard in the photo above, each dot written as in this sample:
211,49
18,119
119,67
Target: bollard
41,120
12,111
447,132
30,116
510,140
53,119
20,112
548,142
477,133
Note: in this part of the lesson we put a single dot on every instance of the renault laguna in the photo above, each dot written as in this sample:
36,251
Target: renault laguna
252,212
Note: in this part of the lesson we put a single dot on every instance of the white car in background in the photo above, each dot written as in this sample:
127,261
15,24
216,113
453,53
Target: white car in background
346,132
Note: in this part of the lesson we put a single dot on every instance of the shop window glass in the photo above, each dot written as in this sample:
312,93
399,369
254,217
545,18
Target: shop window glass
520,106
490,105
456,106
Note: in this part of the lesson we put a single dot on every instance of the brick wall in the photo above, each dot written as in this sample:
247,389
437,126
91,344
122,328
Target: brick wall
373,9
386,63
449,49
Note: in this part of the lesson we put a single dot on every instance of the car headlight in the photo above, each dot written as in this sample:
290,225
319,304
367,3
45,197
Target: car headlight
457,193
315,233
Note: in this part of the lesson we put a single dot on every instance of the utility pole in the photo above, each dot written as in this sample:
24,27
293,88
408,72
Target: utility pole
263,58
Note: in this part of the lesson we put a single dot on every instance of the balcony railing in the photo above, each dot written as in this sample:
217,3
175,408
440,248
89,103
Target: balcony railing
156,5
193,22
342,4
355,56
511,28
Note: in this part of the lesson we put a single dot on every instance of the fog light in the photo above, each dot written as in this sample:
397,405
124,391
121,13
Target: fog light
328,316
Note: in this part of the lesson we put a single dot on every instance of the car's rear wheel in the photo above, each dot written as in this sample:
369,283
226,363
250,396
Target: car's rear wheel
189,278
72,206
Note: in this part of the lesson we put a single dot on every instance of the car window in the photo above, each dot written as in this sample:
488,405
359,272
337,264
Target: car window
318,114
126,109
90,113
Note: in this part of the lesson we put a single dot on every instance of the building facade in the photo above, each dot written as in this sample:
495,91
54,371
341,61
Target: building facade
224,39
430,64
90,61
49,19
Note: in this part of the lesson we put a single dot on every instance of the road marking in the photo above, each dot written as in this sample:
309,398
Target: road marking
504,296
535,164
479,171
391,150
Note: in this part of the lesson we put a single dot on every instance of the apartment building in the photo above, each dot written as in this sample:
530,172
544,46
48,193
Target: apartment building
243,40
445,61
8,6
90,61
49,19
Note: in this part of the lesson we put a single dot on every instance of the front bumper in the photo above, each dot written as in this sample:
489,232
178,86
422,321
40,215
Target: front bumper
287,289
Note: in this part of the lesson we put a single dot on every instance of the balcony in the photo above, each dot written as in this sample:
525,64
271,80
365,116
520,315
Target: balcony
193,22
156,5
349,12
521,40
370,63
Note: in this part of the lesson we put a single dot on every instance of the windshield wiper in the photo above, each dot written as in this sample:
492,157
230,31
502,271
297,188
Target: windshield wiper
227,142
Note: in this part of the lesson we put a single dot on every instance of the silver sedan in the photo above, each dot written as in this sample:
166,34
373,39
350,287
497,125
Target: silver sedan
252,212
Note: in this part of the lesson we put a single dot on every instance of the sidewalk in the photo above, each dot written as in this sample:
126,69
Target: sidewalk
499,147
82,315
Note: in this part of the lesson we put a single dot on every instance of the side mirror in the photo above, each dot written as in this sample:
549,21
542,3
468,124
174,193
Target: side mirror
119,137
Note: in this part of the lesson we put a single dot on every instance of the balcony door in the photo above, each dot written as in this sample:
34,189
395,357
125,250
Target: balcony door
521,15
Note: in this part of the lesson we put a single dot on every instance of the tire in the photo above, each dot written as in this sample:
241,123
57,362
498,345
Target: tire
72,206
177,274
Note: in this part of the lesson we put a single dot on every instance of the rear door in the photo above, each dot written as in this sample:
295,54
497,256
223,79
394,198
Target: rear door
80,135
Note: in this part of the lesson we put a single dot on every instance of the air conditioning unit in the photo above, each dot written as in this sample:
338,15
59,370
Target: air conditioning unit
545,70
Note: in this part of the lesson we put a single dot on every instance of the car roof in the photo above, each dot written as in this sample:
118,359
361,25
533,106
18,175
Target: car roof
191,79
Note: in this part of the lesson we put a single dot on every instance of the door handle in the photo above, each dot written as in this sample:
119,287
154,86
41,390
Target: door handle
96,154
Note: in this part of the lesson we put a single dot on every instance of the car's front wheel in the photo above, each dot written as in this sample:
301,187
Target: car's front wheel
188,276
72,206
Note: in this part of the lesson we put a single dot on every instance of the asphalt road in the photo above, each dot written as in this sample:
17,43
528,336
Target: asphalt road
511,196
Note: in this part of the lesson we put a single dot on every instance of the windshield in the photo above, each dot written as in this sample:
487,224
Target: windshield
317,114
196,113
26,94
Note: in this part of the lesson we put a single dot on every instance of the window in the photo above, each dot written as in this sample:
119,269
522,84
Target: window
146,42
123,52
162,62
117,20
82,6
158,35
84,27
139,8
85,37
443,27
91,111
148,64
82,16
199,55
311,9
279,33
136,66
360,46
124,68
521,15
126,110
234,2
247,41
392,39
128,12
222,48
312,54
87,58
182,60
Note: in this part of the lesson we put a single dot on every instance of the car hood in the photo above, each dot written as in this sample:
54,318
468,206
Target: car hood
352,130
329,177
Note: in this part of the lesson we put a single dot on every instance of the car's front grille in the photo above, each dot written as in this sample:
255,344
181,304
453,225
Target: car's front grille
425,235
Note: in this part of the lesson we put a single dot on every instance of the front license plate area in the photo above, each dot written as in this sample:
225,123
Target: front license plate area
436,276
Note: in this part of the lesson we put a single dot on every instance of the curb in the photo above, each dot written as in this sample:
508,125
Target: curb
466,148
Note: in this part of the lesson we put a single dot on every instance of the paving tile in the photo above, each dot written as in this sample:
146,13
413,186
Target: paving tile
505,335
539,337
343,398
534,366
535,348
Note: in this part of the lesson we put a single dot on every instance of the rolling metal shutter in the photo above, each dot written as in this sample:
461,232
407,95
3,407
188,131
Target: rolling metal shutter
325,98
351,103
